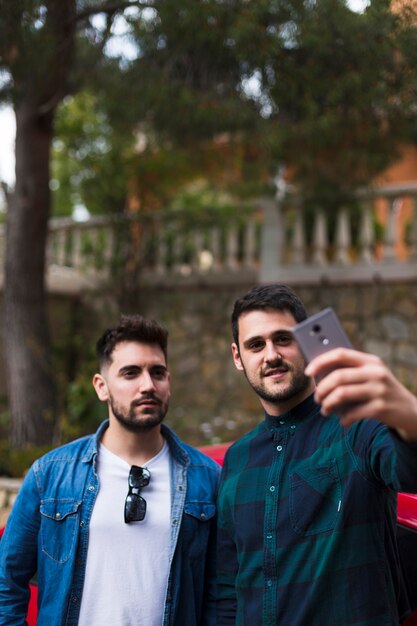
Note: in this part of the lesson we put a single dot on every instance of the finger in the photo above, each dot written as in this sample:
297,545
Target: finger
346,396
339,357
341,377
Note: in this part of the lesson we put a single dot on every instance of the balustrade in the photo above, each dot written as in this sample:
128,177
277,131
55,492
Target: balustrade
266,242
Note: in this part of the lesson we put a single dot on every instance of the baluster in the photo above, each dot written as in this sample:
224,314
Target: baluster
366,234
161,249
109,243
249,252
232,247
76,249
50,247
412,256
299,241
215,247
178,252
389,241
319,239
197,248
3,245
61,247
343,238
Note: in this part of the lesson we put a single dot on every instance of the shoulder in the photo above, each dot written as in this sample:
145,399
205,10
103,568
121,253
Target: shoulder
68,452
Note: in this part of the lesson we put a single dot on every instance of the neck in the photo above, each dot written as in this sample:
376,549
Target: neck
136,448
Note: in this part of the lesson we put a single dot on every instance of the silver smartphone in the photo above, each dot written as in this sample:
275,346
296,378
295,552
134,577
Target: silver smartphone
320,333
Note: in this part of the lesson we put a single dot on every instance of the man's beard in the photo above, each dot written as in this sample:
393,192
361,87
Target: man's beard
143,423
296,386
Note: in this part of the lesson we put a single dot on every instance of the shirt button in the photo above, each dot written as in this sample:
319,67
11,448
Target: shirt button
279,448
269,536
281,422
272,488
269,583
293,426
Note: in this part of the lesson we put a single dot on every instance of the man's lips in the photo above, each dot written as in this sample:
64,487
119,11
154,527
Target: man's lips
275,371
147,402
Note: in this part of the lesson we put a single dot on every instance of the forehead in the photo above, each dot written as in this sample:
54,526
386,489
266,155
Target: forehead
263,323
135,353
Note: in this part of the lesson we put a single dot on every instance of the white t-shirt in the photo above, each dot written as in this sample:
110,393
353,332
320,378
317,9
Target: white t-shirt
127,564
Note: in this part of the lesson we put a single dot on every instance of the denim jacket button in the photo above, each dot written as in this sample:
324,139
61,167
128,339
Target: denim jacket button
57,515
203,516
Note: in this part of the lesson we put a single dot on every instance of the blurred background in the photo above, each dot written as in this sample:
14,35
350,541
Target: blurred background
162,157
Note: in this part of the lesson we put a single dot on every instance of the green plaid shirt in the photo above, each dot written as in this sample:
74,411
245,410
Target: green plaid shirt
307,523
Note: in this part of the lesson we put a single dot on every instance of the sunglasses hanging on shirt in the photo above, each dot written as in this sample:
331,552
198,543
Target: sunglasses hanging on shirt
135,505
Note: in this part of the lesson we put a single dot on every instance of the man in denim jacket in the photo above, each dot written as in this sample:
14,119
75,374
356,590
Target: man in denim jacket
120,525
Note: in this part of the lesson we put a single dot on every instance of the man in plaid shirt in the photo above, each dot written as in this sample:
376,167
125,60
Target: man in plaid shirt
307,503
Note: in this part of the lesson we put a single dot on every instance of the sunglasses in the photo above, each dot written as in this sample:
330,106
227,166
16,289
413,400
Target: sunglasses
135,505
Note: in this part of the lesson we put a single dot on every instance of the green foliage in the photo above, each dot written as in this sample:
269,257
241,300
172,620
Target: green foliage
90,161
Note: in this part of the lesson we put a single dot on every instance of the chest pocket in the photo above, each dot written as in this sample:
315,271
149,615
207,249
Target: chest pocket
315,498
59,525
197,516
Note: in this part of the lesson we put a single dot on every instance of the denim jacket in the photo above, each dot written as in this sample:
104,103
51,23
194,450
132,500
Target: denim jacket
47,533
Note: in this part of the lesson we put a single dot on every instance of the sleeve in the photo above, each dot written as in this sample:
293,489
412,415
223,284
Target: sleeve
209,604
227,559
382,456
406,462
18,554
209,607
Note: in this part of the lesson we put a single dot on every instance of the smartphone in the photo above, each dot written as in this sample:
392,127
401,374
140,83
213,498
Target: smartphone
320,333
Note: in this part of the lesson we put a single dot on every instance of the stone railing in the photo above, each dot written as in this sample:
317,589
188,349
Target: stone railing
161,246
9,488
377,241
266,242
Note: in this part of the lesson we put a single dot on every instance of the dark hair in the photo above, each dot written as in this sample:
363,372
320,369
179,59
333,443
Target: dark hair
131,328
278,297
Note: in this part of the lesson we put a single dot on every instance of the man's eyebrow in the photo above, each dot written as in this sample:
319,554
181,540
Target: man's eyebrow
137,368
252,339
129,368
276,333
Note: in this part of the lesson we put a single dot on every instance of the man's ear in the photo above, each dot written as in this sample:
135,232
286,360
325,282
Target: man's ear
100,385
236,357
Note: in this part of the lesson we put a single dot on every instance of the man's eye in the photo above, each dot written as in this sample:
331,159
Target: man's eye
256,345
130,374
159,374
284,340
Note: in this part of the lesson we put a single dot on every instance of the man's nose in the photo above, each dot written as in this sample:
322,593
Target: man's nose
272,352
146,382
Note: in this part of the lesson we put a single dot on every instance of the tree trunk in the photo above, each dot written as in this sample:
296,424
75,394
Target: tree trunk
31,389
